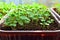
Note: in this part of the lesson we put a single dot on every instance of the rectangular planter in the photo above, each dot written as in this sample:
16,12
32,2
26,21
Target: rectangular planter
31,34
55,15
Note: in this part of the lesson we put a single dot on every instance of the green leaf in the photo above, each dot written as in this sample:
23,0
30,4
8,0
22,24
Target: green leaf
52,20
21,23
49,21
46,23
13,25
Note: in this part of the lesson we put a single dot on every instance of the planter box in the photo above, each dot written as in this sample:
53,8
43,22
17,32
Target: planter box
55,15
32,34
29,35
54,11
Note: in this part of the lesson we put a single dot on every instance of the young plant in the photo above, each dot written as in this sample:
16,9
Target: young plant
29,14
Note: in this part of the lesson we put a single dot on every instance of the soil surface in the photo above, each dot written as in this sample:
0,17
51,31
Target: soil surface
32,26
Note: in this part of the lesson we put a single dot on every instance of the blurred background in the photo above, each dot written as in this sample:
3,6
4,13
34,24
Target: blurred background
45,2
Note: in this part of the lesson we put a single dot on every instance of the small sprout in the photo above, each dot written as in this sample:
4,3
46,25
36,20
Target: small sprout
52,20
41,23
49,21
43,20
47,24
21,23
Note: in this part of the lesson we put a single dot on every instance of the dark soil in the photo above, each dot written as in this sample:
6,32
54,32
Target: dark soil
32,26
